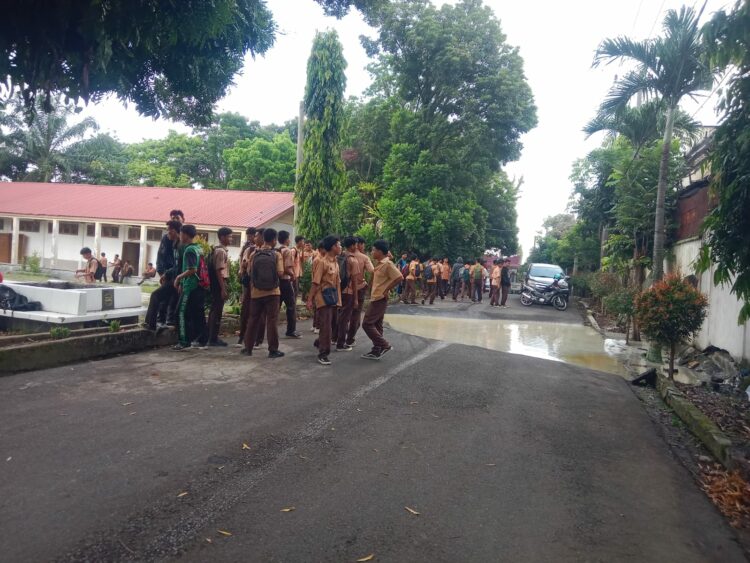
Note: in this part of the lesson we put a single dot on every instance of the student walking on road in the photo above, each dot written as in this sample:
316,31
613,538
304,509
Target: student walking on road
218,270
415,272
350,272
385,277
287,285
431,273
477,281
365,268
505,282
326,294
266,269
456,277
445,279
495,284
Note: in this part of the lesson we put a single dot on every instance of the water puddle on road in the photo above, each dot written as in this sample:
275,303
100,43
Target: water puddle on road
572,344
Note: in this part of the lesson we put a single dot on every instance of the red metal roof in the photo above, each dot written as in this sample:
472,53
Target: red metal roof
135,204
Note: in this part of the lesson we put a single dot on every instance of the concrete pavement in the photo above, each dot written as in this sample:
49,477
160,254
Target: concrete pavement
505,457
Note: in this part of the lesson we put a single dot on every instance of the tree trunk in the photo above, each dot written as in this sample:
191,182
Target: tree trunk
657,267
671,360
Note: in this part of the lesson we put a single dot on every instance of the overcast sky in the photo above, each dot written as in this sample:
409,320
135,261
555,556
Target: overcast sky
557,41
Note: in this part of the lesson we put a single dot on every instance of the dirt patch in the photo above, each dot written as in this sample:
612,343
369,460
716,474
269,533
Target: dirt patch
730,413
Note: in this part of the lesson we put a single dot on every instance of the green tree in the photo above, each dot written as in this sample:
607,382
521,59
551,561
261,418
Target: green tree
669,67
171,59
259,164
99,160
174,161
728,224
322,177
37,152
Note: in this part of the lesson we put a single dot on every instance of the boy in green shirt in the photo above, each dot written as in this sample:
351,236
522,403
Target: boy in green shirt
191,307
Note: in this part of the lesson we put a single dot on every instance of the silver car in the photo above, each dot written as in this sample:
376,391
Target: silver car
540,276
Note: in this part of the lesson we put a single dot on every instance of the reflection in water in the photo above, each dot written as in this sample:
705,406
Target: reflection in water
573,344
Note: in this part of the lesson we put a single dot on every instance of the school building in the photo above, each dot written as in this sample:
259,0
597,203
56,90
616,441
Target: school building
55,220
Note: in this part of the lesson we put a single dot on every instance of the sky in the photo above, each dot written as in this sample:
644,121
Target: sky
557,41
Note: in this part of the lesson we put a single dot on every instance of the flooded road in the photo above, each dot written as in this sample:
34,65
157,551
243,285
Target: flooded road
574,344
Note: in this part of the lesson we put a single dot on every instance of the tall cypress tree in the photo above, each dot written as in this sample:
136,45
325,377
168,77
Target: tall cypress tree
322,177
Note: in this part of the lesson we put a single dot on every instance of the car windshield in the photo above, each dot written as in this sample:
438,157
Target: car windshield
544,271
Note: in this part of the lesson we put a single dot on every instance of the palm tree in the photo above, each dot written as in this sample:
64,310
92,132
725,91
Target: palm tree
669,68
41,146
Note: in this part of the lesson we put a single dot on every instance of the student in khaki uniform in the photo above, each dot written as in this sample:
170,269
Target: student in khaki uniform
266,268
326,294
477,282
247,251
349,294
365,266
91,265
298,252
445,278
218,272
317,255
495,284
433,271
386,276
288,281
410,295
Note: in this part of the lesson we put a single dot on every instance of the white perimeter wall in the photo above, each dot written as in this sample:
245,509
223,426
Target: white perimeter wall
720,328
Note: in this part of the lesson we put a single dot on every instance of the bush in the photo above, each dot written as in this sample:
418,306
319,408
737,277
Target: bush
32,263
581,284
305,280
669,312
603,284
621,303
114,326
234,284
59,332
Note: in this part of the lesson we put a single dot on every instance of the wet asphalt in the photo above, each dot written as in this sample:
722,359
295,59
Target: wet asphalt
208,456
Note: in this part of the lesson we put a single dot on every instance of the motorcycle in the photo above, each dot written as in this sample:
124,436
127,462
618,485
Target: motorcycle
555,295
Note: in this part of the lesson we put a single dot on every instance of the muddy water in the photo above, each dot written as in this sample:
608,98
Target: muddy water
573,344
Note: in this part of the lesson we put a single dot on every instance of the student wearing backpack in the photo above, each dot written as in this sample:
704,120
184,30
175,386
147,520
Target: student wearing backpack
466,279
477,282
89,271
350,272
431,279
385,277
266,269
455,277
325,294
190,284
287,285
218,270
247,250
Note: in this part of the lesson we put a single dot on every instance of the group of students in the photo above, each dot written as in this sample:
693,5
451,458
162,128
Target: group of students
95,269
270,271
438,278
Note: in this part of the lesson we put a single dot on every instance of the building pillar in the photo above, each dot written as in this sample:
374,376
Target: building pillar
97,239
55,237
15,240
143,256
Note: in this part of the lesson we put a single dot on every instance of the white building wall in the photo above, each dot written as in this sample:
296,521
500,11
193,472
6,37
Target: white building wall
720,328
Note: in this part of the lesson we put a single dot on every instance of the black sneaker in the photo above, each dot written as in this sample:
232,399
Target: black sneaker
323,360
344,348
294,335
384,351
198,346
218,344
179,347
373,355
276,354
246,352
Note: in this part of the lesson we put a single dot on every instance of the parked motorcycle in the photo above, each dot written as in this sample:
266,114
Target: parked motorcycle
556,294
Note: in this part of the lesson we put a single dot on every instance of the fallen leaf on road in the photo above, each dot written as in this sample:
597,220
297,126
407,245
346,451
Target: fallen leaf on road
305,458
414,512
126,404
131,413
11,457
245,446
414,403
368,558
435,416
182,494
490,464
374,449
209,540
288,509
224,532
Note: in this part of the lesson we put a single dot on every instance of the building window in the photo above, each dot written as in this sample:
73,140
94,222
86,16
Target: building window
2,224
236,240
29,226
110,231
134,233
49,227
154,235
68,229
90,230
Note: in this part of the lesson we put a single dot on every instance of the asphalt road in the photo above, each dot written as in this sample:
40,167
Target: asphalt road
504,457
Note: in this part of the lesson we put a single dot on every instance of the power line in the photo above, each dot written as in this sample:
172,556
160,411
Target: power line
711,94
656,19
637,15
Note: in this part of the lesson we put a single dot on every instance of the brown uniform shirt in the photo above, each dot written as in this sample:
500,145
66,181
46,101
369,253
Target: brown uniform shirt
412,270
366,266
495,276
287,257
355,272
435,274
221,261
258,293
325,274
385,272
445,271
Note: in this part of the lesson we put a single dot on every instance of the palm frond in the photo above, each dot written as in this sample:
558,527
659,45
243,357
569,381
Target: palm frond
611,50
626,88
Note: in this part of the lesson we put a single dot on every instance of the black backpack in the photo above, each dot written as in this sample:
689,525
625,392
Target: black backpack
428,272
343,271
417,270
99,274
10,300
265,275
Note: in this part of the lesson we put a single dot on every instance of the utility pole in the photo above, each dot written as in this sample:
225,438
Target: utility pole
300,141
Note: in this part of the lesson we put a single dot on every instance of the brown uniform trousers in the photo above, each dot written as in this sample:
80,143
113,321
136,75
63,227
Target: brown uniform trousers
410,295
373,324
263,311
325,321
